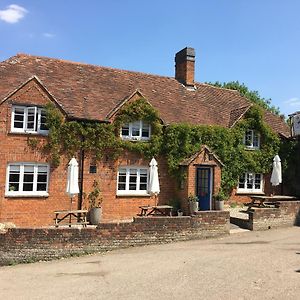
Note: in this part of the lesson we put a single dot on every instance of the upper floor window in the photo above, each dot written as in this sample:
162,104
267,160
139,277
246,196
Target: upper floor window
252,139
28,119
132,181
138,130
27,179
250,183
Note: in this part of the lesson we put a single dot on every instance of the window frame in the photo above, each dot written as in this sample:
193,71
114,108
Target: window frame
137,191
253,133
20,192
251,190
132,137
37,119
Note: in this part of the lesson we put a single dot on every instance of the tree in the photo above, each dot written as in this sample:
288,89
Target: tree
253,96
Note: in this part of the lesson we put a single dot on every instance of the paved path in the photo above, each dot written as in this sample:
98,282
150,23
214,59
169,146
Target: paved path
249,265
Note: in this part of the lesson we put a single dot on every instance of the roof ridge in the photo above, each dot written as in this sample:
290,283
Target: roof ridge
220,88
86,64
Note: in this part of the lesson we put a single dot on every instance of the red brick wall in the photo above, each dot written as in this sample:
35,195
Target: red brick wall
190,184
35,211
267,190
28,245
14,148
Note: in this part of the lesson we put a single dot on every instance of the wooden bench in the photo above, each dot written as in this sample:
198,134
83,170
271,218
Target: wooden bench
80,215
156,210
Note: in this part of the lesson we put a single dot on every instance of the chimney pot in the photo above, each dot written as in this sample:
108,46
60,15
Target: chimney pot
185,66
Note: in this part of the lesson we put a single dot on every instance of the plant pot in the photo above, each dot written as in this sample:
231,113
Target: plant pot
219,205
194,207
95,214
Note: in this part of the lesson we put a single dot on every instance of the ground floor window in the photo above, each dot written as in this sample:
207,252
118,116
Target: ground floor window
27,179
250,183
132,181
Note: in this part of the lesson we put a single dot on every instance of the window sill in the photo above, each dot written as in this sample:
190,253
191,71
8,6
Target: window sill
135,140
128,194
28,133
252,148
250,193
27,196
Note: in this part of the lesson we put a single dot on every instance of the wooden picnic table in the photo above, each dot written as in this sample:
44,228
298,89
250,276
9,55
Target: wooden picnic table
266,201
80,215
156,210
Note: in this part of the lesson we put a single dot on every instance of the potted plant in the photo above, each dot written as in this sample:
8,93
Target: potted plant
193,203
219,200
95,201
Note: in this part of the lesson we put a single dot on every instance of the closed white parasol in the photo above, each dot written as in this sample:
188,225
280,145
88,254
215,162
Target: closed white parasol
276,177
72,180
153,178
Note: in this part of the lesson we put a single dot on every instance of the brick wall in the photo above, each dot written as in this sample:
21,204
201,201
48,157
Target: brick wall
287,213
20,245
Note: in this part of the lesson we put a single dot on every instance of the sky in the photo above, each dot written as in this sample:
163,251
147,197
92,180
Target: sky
256,42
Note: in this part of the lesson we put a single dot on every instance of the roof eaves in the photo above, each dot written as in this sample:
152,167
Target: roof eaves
246,108
39,82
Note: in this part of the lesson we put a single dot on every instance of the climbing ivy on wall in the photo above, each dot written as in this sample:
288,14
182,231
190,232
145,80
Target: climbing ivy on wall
183,140
175,142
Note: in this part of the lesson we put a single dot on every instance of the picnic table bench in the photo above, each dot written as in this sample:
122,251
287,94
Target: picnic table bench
80,216
267,201
156,210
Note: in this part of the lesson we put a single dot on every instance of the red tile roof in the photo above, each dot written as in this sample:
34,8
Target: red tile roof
92,92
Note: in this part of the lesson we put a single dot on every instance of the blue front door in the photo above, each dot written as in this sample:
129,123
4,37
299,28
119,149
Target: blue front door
203,188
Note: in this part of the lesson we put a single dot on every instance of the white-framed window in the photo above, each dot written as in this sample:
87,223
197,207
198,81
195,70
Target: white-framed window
138,130
250,183
252,139
28,119
132,181
27,179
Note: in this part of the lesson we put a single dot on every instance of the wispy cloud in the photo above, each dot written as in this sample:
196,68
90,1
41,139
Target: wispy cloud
295,101
13,13
49,35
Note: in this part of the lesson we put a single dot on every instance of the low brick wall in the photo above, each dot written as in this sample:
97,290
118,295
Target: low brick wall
285,214
19,245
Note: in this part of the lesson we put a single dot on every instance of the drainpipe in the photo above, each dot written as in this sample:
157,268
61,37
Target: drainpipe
81,168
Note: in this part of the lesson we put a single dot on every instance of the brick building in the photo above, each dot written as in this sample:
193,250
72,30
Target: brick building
31,189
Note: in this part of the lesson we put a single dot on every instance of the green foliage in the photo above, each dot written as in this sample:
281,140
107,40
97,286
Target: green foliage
289,154
95,199
253,96
183,140
69,137
176,142
141,110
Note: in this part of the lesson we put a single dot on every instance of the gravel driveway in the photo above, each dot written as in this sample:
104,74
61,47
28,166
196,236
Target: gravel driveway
249,265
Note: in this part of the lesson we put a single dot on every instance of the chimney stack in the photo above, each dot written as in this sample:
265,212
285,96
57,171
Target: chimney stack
185,66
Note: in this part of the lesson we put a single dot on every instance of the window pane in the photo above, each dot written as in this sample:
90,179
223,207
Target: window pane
28,169
143,179
43,120
257,183
248,138
255,139
132,179
122,180
14,178
28,178
125,130
136,128
19,118
145,130
31,118
249,181
41,187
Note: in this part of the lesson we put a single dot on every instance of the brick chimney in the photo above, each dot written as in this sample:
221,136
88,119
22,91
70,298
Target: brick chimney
185,66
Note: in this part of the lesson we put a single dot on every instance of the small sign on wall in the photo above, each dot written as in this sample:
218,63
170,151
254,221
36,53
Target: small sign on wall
295,123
